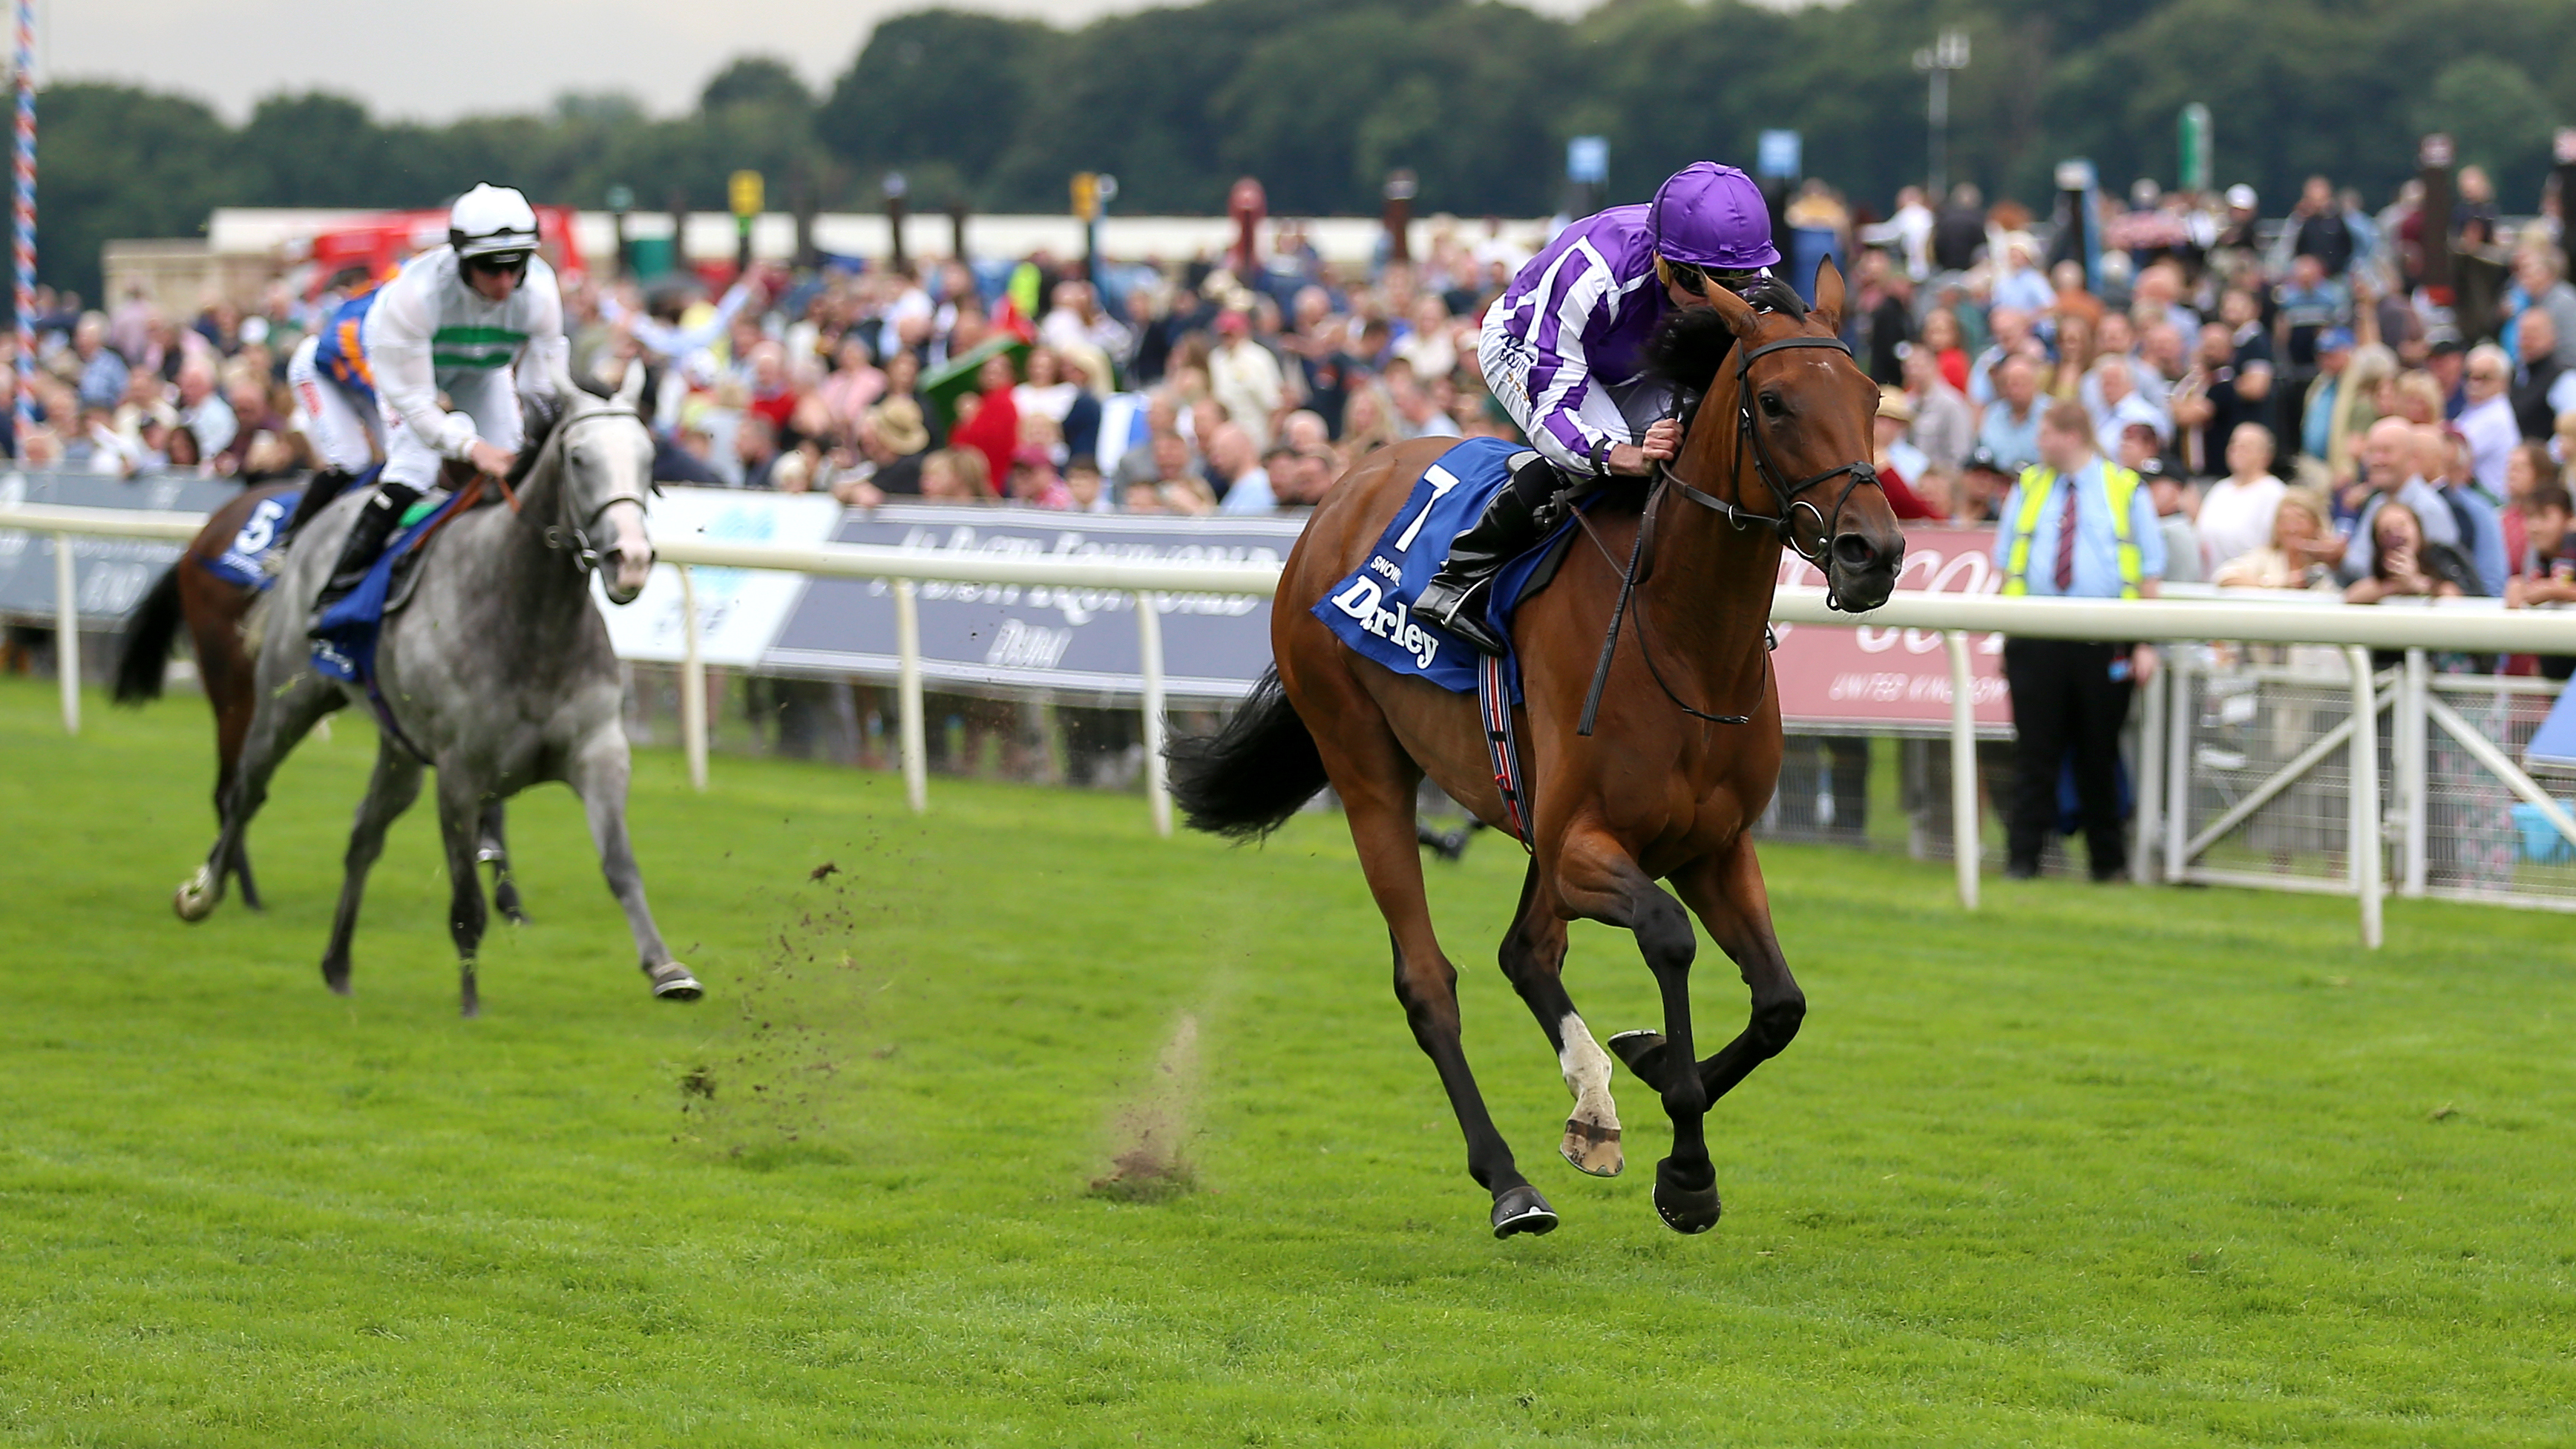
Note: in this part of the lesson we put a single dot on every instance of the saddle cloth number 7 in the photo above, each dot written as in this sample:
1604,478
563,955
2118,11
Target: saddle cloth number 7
1441,481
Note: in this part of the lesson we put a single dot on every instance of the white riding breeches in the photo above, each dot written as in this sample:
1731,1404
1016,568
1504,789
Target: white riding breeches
490,398
341,429
1620,412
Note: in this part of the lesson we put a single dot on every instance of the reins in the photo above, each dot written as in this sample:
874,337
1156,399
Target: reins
1783,525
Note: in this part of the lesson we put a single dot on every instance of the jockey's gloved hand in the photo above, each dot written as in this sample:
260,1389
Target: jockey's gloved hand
488,459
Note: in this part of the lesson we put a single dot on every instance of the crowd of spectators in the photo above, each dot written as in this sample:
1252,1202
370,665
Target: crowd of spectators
2309,410
1188,389
132,392
2318,415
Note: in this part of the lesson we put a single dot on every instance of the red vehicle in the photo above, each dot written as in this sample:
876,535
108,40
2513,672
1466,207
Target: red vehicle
378,243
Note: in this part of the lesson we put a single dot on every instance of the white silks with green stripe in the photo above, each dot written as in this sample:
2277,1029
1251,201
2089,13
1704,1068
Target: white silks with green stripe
430,332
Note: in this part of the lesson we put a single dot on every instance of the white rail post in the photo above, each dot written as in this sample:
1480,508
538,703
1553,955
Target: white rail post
2365,792
907,690
2151,775
67,631
2177,766
693,685
2414,739
1967,840
1149,648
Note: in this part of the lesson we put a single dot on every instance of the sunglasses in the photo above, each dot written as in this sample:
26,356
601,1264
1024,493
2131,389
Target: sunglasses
513,263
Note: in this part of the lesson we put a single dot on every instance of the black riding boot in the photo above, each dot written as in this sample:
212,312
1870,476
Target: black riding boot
375,524
1455,597
319,491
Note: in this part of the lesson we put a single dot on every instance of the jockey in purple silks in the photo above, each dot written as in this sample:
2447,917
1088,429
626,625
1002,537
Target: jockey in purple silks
1564,350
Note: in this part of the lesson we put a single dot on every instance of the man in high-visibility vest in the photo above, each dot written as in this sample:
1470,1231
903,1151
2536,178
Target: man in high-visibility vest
2070,697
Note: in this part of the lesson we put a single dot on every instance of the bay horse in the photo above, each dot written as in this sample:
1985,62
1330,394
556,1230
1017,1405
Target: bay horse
1667,785
498,673
216,613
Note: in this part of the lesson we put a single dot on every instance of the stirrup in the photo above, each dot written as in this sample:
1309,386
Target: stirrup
1456,613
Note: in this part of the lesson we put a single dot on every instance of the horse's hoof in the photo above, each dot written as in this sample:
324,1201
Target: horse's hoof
672,982
1591,1148
513,916
339,983
196,897
1643,1052
1683,1209
1522,1210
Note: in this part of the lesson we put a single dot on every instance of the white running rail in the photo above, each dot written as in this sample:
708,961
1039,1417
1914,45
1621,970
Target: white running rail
2250,619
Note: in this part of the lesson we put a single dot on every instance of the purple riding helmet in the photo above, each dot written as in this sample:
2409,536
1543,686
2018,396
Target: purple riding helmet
1712,216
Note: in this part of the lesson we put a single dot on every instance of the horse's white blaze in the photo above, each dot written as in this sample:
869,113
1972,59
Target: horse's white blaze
1587,1073
634,549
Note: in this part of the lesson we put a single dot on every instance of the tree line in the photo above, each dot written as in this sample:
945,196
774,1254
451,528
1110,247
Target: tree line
1321,98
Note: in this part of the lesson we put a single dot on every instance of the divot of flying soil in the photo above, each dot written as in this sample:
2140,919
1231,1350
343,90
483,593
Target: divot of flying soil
1148,1134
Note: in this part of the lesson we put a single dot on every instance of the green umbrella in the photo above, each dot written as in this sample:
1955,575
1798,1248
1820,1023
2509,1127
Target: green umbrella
941,389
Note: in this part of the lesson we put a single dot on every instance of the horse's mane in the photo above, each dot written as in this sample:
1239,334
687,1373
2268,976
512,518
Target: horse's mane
1693,342
537,420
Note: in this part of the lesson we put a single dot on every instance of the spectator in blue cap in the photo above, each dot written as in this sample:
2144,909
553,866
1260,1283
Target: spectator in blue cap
2316,413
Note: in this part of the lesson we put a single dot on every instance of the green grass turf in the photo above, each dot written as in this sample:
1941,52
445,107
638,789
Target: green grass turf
2092,1166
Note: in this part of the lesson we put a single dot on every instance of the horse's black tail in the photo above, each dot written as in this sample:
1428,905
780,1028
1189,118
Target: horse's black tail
146,650
1246,779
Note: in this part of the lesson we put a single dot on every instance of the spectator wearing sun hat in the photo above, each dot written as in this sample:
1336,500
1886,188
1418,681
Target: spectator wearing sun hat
1900,464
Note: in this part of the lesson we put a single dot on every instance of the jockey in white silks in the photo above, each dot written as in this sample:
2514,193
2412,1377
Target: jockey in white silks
1564,351
478,319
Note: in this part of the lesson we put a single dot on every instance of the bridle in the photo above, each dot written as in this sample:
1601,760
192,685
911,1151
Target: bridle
1789,498
570,532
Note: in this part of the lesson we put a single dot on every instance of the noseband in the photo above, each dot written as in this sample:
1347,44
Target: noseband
1790,496
571,533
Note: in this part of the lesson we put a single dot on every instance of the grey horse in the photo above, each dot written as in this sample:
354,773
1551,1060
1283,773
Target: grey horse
498,672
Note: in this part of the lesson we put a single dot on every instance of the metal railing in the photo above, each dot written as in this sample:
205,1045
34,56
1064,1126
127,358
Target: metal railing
2354,631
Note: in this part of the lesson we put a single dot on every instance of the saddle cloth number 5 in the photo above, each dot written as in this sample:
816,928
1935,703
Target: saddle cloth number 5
1441,481
260,528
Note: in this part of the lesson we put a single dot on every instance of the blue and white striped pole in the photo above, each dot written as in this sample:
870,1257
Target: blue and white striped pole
26,223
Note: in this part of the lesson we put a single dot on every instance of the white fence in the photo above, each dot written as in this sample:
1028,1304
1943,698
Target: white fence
2353,632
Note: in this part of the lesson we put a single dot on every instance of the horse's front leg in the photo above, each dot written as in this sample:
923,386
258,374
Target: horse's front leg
494,850
1596,877
395,785
1726,890
598,773
460,814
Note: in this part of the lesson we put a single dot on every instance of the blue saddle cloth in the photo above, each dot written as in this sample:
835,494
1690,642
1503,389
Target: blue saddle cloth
346,647
1372,609
251,560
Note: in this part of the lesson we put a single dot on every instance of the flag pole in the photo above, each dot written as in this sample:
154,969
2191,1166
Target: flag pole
25,203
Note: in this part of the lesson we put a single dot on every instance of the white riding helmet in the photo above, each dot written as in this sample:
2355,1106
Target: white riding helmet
492,222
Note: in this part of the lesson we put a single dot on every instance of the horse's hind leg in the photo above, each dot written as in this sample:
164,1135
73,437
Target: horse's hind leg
1375,779
1533,960
279,723
228,685
390,791
1596,877
598,774
460,814
493,849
